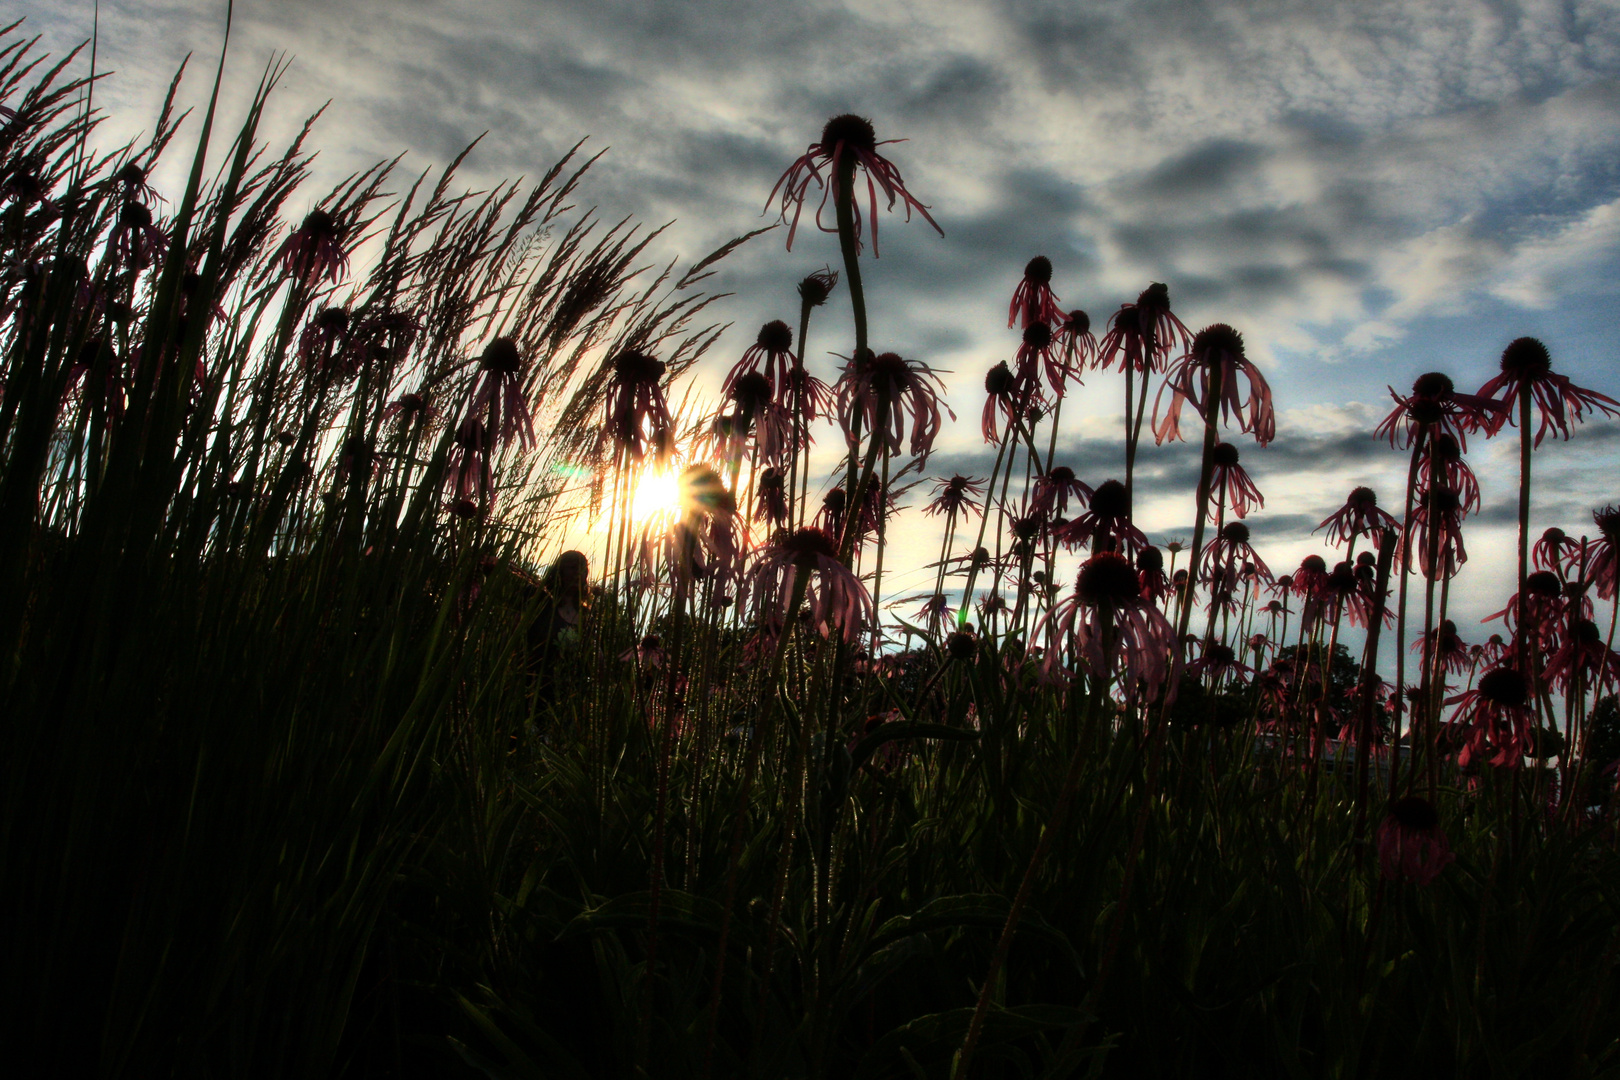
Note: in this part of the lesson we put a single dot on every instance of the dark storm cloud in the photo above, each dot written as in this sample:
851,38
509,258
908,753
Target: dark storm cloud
1201,171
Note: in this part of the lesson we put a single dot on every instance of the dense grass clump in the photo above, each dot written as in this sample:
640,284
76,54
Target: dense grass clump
317,758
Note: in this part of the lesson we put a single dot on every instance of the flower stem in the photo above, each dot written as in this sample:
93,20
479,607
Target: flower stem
844,199
1205,476
984,520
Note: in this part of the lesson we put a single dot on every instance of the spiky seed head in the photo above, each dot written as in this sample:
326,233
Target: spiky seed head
1111,500
1107,579
1504,687
1215,341
999,380
851,130
775,336
1526,358
1433,384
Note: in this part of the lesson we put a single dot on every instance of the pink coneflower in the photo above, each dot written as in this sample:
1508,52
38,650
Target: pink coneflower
959,494
135,242
1221,664
499,393
1025,528
1584,656
1232,478
1073,334
1033,301
1367,598
752,411
839,602
108,392
1158,326
891,396
647,653
977,560
1494,718
1359,516
637,414
25,188
131,183
1116,631
1038,355
314,253
807,395
1123,342
962,646
771,355
409,407
1275,686
1453,652
1546,607
1436,531
1526,368
1606,551
320,343
830,518
1310,578
1435,404
1107,521
814,289
1557,550
1445,451
1001,401
1054,489
1144,334
934,612
844,137
1258,644
468,470
771,502
1224,598
1411,845
1350,590
702,542
1230,549
383,337
1245,395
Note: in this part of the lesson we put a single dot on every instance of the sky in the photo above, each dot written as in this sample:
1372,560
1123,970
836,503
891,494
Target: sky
1366,191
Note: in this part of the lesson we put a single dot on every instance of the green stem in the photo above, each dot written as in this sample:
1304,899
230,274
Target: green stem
1205,476
844,200
984,521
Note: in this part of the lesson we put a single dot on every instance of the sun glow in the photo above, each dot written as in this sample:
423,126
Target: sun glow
657,495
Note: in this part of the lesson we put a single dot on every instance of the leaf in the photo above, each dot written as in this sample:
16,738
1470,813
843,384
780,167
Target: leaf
906,729
984,910
676,911
934,1038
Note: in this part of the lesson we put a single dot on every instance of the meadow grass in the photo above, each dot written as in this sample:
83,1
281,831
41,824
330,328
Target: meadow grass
310,766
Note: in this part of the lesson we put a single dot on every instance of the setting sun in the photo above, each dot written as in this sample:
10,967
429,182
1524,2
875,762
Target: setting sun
657,495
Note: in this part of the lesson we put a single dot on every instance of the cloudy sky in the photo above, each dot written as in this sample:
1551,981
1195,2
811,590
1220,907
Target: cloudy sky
1367,191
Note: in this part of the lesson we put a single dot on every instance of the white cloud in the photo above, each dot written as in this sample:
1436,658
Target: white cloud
1542,270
